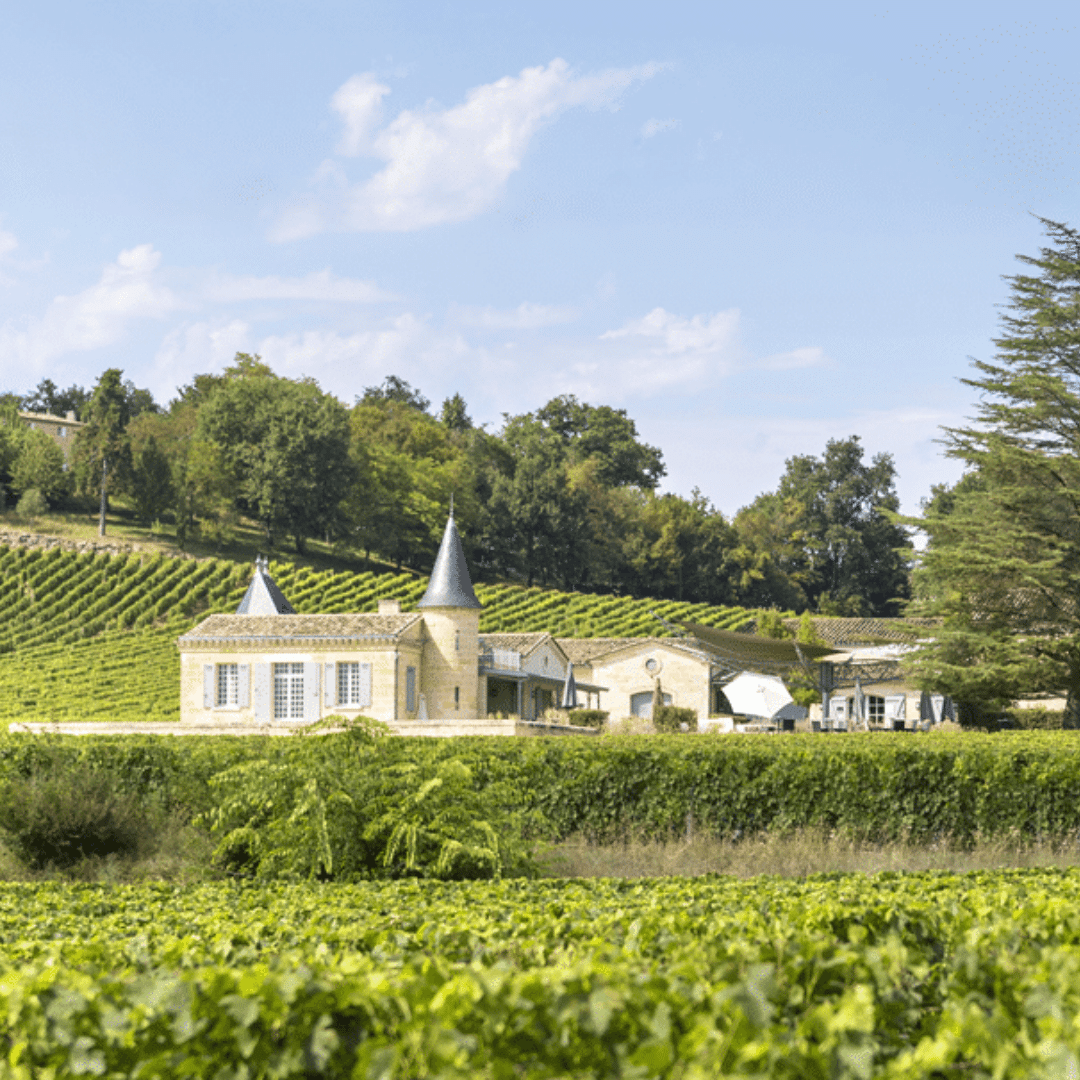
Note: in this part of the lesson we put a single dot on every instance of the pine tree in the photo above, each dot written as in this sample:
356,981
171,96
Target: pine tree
1002,565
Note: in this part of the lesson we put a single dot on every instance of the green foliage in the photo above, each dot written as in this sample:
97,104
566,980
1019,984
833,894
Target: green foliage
103,448
39,466
1036,719
594,718
57,816
31,504
439,828
846,976
346,806
1002,563
284,446
771,624
672,718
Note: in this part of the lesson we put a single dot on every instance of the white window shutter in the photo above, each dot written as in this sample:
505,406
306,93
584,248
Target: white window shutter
312,709
208,686
894,707
330,697
243,685
261,692
365,686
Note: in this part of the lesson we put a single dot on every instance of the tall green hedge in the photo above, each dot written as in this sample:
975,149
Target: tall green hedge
877,785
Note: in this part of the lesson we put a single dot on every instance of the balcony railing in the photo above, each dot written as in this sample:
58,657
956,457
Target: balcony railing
500,660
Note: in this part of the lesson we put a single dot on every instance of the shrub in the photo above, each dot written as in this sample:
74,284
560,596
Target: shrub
594,718
32,504
672,718
56,817
1039,718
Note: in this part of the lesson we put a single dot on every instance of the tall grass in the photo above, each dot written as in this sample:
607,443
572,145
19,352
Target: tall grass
797,854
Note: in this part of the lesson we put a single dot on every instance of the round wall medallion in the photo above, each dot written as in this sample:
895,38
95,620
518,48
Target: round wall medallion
653,666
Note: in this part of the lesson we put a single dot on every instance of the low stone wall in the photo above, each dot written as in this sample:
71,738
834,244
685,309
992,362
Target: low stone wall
15,538
438,729
538,727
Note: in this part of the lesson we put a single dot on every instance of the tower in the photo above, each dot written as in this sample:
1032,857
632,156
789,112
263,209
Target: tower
450,665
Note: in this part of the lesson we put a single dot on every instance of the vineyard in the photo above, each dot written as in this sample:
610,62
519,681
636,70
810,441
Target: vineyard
92,636
901,976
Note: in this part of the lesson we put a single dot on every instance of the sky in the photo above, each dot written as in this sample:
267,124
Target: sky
753,227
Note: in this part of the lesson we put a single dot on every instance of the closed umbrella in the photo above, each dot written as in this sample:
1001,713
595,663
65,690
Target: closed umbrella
860,703
757,695
657,698
569,690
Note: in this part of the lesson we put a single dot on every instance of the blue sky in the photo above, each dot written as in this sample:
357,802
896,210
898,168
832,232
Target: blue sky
754,227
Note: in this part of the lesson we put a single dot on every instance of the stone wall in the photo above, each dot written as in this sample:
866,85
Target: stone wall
17,538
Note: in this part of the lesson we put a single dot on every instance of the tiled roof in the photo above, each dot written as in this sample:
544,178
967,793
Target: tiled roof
586,650
835,631
520,643
307,628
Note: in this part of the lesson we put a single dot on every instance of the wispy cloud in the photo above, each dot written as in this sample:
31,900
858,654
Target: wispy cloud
812,356
525,316
8,243
660,333
127,291
322,286
654,127
441,164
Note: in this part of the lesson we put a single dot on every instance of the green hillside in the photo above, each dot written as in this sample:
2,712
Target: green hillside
92,636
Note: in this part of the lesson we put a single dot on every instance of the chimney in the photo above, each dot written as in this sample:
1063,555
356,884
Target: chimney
71,414
389,607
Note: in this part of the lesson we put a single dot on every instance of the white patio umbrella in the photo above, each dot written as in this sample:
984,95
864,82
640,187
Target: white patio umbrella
757,695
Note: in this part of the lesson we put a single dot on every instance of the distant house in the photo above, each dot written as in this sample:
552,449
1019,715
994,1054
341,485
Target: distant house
61,429
266,664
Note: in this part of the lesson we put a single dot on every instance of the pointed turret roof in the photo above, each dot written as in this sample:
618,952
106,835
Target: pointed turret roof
450,585
263,597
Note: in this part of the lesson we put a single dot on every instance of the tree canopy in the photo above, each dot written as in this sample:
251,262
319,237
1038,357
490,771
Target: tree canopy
1002,562
829,536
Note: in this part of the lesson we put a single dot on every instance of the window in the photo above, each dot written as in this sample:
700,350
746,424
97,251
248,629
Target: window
410,689
354,684
228,685
875,709
457,697
457,640
62,431
289,691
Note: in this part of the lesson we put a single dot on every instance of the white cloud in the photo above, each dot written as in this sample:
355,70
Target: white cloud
98,316
664,334
812,356
443,165
405,345
359,104
8,243
654,127
322,286
525,316
193,349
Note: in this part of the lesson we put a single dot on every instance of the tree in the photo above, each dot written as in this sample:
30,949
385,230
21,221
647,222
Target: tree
103,444
39,465
849,557
284,446
1002,562
395,390
48,398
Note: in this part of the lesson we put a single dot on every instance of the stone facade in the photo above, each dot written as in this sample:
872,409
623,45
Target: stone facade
61,429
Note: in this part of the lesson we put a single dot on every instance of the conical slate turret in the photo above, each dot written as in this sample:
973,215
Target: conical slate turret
263,597
450,585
